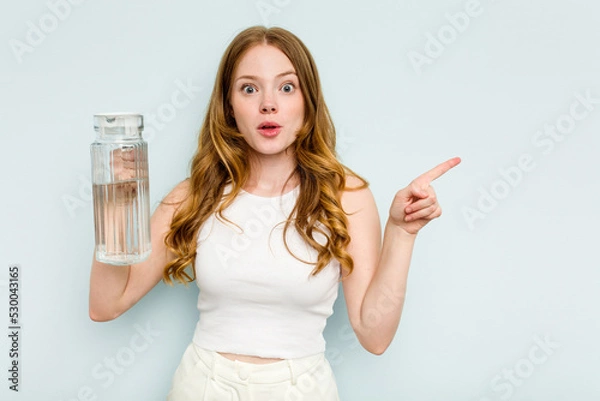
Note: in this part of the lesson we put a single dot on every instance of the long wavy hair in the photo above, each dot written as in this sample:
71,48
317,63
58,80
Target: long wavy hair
221,159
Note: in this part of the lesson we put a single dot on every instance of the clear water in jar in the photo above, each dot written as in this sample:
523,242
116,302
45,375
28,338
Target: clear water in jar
121,211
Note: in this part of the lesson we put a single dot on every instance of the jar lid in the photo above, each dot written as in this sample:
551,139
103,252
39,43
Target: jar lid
117,120
118,126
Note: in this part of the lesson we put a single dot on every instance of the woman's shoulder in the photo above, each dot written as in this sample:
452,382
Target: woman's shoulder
178,194
356,192
354,182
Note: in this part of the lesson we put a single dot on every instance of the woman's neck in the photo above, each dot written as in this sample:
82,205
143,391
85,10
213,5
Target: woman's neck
270,176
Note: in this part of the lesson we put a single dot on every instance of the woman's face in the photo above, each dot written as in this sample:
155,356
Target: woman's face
266,100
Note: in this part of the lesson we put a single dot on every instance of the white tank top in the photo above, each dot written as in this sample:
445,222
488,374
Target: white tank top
255,297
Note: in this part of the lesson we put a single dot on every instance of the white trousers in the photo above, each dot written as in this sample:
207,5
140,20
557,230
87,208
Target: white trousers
205,375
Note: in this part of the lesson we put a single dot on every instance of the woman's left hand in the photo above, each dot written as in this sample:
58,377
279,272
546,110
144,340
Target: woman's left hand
416,205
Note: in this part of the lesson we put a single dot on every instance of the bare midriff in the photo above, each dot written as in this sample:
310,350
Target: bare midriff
249,358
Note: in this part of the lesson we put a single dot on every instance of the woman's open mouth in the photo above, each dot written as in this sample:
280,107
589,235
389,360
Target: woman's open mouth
269,128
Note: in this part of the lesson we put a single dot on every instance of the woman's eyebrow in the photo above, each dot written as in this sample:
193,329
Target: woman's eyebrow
255,78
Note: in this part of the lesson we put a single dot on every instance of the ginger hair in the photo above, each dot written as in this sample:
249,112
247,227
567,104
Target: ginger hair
221,159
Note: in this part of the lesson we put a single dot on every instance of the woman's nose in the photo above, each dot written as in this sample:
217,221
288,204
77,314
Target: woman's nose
268,105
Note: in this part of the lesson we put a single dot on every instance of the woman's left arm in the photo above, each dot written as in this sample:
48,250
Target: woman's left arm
376,289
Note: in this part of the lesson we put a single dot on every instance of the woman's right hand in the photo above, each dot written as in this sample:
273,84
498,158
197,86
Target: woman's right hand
115,289
127,166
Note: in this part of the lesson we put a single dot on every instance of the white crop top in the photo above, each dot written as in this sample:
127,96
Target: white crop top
255,297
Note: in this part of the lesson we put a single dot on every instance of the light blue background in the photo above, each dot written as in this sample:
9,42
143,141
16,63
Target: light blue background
479,291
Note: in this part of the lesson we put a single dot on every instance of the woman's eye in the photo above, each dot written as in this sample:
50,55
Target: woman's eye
287,88
248,89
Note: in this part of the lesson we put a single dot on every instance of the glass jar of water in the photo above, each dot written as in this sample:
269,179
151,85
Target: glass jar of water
120,189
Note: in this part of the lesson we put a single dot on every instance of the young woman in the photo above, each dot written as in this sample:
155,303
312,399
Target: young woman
270,222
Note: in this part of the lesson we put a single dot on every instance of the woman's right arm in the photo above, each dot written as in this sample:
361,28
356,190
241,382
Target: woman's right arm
115,289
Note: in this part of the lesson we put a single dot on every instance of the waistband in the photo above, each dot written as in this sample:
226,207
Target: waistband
268,373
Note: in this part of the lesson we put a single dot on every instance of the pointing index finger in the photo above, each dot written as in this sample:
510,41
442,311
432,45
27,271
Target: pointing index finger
438,170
